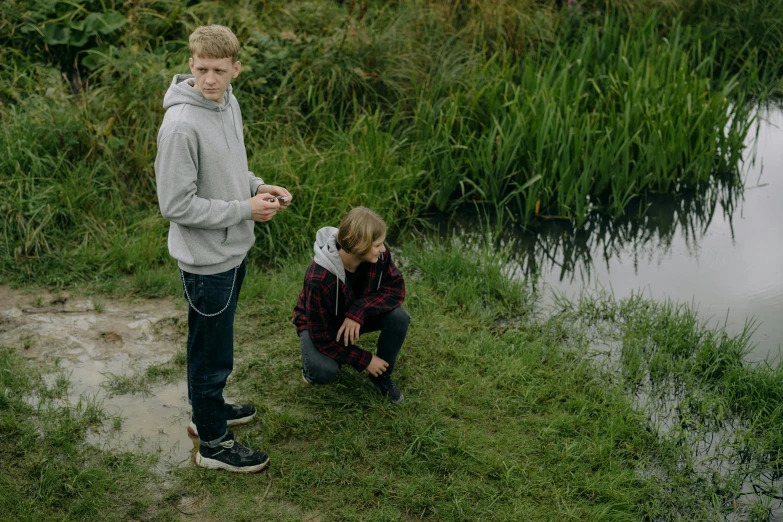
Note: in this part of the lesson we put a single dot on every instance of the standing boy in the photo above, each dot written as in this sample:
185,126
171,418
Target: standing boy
211,199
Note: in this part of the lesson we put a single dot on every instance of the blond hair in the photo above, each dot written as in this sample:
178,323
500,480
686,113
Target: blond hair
359,229
214,42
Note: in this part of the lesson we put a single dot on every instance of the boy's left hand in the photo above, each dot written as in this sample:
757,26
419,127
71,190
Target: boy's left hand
275,191
351,330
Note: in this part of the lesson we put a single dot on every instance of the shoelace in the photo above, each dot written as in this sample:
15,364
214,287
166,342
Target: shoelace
239,449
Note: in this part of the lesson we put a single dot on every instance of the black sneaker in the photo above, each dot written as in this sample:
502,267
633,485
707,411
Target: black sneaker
306,380
232,456
387,387
236,414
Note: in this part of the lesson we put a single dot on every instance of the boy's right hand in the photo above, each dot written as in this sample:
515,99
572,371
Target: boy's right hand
377,366
261,209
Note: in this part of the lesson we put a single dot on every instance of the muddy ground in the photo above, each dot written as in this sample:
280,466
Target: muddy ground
91,341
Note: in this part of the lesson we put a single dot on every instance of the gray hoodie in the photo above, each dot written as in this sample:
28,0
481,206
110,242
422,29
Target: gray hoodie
204,186
327,256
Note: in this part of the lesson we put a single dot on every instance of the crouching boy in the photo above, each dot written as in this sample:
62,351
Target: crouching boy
352,287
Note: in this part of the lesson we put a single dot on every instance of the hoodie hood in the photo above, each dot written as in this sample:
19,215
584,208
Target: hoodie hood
327,256
182,92
326,252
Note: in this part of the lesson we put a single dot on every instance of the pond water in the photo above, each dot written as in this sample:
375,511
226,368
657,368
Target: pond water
727,262
718,248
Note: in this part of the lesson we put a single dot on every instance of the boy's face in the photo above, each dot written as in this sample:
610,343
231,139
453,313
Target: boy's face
376,250
213,75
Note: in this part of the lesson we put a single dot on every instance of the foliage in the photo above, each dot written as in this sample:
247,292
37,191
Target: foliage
535,108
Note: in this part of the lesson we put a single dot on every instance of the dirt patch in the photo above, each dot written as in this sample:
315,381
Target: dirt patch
92,340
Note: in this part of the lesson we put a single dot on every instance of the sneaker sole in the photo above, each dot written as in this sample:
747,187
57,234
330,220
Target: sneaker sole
216,464
193,432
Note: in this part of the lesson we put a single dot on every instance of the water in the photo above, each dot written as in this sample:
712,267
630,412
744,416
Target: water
729,268
719,248
88,346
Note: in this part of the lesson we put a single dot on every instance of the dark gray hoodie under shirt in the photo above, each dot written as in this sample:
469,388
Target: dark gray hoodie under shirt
203,183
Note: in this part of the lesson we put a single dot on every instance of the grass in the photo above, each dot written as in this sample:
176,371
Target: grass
407,107
51,473
143,382
699,392
509,415
533,110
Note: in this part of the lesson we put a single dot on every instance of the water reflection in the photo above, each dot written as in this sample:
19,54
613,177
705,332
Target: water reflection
645,235
716,246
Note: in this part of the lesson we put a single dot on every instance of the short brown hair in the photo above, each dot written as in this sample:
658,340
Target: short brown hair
214,42
359,229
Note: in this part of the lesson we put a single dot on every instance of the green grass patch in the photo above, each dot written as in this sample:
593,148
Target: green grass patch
509,415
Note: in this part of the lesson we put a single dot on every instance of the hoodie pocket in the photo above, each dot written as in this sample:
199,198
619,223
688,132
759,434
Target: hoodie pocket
226,235
238,239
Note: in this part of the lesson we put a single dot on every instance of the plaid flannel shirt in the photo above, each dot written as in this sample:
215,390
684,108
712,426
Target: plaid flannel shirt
379,288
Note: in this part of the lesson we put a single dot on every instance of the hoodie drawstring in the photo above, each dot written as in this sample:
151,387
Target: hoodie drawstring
380,276
223,126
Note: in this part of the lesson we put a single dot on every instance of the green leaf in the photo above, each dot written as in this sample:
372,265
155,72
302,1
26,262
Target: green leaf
92,60
79,38
28,28
104,23
531,181
56,34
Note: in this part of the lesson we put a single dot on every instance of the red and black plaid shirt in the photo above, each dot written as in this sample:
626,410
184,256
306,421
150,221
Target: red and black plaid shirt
378,288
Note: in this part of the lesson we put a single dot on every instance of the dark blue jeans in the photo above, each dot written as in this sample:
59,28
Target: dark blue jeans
393,325
211,346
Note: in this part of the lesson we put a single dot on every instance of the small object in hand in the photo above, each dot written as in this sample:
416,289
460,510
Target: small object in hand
281,199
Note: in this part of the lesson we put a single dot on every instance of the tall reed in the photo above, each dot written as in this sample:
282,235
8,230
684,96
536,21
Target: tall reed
407,107
590,127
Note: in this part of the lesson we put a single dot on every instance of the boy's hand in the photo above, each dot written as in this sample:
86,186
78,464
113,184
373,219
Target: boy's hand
261,209
377,366
351,330
274,190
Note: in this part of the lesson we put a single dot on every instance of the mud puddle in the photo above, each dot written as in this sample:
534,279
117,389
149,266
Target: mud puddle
93,341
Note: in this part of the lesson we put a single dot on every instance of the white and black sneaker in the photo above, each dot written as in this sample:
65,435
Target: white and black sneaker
232,456
387,387
236,414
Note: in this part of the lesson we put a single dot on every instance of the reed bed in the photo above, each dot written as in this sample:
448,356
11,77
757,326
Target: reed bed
533,108
591,127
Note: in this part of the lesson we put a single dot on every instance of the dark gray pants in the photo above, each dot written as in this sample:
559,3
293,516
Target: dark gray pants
393,325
